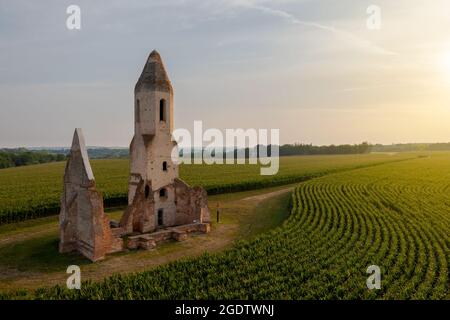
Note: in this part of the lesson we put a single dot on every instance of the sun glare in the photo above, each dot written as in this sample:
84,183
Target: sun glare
446,63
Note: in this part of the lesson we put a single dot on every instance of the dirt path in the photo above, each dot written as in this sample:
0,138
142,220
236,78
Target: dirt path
29,234
126,262
261,197
239,212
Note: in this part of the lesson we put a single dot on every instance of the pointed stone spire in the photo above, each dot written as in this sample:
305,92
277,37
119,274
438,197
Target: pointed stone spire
79,151
154,75
84,227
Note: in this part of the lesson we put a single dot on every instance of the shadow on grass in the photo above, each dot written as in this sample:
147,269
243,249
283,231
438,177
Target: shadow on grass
38,255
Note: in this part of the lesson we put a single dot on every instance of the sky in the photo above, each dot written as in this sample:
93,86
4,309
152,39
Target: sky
311,68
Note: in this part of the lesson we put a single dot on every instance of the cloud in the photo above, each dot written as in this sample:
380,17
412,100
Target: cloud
348,36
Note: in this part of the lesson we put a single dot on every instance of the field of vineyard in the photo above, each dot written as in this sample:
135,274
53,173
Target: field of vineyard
33,191
395,215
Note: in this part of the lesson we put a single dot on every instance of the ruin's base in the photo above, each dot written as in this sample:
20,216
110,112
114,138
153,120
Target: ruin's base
148,241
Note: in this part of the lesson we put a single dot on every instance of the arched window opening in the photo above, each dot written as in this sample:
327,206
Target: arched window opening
165,166
147,191
162,110
162,193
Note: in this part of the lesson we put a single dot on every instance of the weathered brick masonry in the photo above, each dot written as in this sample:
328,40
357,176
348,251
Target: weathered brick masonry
160,205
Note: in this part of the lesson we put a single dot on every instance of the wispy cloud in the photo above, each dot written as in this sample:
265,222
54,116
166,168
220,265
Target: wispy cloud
348,36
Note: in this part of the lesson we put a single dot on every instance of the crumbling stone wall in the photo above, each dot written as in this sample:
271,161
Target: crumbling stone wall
83,224
157,199
84,227
139,216
192,204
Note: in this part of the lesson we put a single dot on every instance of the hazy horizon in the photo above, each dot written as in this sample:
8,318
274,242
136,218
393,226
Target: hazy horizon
127,147
310,68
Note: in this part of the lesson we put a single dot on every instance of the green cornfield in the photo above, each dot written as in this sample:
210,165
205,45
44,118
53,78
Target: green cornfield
34,191
395,215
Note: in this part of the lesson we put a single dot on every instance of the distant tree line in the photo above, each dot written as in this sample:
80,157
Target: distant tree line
107,153
405,147
309,149
22,157
94,152
284,150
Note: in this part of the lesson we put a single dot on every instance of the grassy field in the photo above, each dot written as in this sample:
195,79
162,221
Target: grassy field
29,256
395,215
34,191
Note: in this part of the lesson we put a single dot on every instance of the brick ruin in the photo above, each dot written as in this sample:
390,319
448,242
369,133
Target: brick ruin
160,205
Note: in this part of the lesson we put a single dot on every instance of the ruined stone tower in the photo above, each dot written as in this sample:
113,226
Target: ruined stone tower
151,153
160,205
152,144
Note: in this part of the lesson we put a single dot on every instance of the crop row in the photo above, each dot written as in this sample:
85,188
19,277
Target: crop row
395,216
32,192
